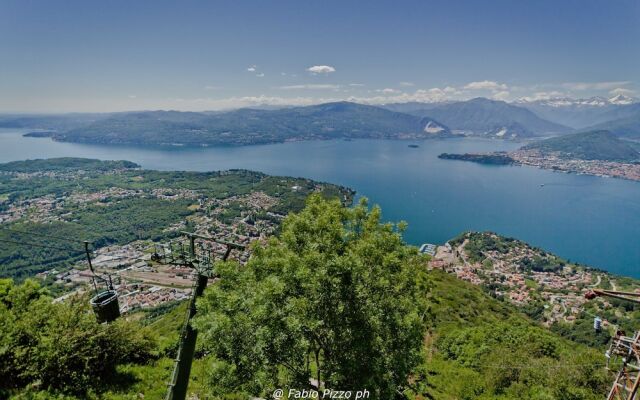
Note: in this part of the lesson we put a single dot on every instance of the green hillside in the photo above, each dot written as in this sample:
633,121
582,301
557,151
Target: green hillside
592,145
476,347
483,348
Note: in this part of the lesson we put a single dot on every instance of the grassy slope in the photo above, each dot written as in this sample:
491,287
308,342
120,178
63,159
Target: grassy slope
151,379
478,370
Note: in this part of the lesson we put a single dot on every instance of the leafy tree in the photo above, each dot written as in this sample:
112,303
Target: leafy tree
337,299
60,346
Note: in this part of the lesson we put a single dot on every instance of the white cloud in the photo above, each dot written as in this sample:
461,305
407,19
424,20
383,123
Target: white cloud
502,95
200,104
288,95
203,104
252,68
311,86
406,84
388,91
622,91
321,69
486,85
451,90
431,95
594,85
554,94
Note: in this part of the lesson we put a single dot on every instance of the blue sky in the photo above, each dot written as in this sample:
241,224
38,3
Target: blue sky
201,55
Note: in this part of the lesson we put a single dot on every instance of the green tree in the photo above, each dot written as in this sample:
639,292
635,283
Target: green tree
337,298
60,346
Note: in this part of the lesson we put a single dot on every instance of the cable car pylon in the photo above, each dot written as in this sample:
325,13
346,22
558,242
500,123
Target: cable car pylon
177,387
627,380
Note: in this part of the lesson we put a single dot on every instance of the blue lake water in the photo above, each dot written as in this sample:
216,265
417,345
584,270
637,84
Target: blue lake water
588,219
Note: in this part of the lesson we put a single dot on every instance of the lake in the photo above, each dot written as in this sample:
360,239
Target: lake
587,219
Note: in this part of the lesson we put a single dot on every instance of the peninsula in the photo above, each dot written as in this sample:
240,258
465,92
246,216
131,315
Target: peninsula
599,153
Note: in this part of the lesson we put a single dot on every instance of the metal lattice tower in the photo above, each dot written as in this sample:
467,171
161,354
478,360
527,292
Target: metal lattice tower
203,264
627,349
625,386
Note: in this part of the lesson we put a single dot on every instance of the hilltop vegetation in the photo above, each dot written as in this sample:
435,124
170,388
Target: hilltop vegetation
472,347
483,348
60,347
592,145
337,297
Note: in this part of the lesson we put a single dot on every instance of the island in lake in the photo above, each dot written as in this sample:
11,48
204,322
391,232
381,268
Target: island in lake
497,158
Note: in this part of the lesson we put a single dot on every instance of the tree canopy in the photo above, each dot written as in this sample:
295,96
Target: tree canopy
337,300
60,346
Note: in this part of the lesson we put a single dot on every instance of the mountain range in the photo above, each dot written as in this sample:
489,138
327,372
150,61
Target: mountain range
486,117
413,120
251,126
582,113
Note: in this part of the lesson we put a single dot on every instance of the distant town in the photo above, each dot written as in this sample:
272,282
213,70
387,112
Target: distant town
140,281
556,162
523,275
598,153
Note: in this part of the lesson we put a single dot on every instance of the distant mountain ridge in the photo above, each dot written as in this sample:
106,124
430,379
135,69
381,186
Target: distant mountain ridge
414,120
595,101
486,117
626,123
592,145
251,126
582,113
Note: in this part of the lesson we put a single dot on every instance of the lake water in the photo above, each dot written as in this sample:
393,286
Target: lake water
588,219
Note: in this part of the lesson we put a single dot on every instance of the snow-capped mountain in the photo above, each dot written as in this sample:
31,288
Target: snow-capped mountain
622,100
596,101
580,113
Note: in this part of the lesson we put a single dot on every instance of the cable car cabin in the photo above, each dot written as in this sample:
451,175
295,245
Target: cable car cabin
105,305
